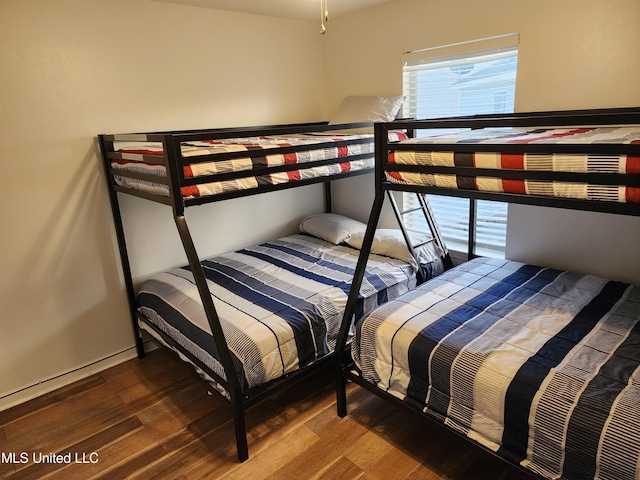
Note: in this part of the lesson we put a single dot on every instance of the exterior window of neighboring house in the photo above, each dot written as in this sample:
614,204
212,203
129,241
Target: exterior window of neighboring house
475,77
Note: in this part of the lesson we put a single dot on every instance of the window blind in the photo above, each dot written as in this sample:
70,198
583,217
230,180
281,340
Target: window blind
467,78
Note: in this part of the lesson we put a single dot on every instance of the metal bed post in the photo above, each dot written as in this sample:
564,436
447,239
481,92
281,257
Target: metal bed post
473,217
122,248
381,146
328,201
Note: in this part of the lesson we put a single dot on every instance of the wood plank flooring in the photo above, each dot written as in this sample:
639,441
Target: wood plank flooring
152,418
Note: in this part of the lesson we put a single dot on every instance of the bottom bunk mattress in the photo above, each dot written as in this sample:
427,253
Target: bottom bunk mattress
539,365
280,303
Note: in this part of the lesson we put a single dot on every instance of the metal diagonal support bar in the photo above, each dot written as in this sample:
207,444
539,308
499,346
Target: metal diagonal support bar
354,293
233,383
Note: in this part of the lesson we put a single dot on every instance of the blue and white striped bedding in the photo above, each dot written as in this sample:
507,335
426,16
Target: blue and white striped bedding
280,303
540,365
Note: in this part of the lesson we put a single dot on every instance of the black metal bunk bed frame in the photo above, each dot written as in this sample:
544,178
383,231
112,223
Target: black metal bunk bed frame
591,117
174,162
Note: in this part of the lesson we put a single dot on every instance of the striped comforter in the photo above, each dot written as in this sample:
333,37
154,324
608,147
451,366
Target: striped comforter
133,155
539,365
535,162
280,303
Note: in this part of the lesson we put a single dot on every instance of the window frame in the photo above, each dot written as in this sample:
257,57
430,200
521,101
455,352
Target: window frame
459,55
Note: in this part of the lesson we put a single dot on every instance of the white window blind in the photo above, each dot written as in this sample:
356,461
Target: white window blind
467,78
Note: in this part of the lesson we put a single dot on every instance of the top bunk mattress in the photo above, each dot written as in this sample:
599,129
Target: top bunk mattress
496,160
235,161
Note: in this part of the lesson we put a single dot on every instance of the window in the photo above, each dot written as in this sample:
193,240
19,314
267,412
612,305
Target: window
468,78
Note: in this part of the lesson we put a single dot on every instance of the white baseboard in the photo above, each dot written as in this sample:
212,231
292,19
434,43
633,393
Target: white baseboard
51,384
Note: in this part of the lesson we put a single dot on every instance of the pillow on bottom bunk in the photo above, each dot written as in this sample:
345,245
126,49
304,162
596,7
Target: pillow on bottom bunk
332,227
391,243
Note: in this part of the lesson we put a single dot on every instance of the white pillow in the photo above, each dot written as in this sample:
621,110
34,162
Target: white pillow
332,227
390,242
359,108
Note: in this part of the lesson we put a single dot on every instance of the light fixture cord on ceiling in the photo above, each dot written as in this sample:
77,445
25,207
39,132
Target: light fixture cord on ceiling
324,15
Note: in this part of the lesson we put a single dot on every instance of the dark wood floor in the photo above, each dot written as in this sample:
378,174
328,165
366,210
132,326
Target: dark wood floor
152,418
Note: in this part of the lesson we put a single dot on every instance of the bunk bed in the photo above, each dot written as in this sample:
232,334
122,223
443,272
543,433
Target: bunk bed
258,319
538,366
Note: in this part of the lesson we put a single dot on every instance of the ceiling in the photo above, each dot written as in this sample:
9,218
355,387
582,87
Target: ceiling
295,9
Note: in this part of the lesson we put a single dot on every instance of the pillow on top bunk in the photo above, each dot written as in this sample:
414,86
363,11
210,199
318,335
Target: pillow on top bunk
360,108
332,227
390,243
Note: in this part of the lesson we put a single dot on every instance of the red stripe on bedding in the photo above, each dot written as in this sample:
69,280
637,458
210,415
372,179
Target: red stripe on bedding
345,166
293,175
554,135
142,151
397,136
513,162
514,186
633,163
191,191
188,173
632,195
391,158
343,151
290,158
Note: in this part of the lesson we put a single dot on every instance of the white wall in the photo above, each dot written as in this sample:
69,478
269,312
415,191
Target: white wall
71,69
572,54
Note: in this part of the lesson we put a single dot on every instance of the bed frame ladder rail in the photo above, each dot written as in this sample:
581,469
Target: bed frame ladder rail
425,208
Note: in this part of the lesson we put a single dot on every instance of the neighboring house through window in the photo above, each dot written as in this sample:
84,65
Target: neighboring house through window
476,77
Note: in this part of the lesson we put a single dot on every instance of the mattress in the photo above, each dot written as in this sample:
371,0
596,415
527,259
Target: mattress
540,365
312,148
621,164
280,303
